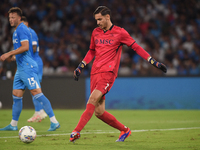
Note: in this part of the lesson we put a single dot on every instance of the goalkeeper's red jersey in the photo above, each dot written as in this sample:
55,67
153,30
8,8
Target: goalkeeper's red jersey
106,47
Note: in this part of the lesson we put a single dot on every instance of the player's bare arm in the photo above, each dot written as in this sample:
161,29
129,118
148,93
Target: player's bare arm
23,48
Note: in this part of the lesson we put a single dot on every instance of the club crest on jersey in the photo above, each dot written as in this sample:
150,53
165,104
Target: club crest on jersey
104,41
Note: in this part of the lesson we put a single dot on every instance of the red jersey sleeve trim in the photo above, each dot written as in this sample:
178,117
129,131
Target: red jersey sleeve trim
140,51
132,44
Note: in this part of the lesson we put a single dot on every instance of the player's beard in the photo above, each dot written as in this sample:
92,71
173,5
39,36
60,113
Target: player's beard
14,24
104,26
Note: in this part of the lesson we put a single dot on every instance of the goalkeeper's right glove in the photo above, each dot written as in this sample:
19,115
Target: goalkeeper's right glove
77,71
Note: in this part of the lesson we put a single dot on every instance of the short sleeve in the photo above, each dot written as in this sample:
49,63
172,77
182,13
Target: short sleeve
23,35
34,37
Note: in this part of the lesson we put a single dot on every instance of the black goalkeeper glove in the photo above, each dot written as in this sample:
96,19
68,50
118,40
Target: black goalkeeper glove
158,65
77,71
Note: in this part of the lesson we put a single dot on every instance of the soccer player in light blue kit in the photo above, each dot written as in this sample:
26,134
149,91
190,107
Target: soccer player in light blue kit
39,112
27,72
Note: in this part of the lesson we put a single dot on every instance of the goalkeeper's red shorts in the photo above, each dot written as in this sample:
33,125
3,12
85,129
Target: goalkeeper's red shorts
102,82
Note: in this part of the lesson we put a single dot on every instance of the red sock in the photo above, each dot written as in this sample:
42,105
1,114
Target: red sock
112,121
85,117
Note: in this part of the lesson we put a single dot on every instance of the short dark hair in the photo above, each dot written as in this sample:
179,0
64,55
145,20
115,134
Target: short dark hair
15,10
24,19
103,10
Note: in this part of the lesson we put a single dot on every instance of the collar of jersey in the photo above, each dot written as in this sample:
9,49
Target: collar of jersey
109,29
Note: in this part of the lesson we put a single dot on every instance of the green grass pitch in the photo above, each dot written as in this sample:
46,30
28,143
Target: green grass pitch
151,130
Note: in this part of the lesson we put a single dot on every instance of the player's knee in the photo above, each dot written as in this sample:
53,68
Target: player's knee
36,91
18,93
15,93
93,101
99,112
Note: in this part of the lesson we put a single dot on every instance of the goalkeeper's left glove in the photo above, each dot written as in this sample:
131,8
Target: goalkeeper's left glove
158,65
77,71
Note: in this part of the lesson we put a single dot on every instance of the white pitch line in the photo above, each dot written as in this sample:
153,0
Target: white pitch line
106,132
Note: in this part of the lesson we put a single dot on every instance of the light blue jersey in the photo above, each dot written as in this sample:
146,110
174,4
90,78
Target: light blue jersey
27,69
24,60
26,76
35,41
35,55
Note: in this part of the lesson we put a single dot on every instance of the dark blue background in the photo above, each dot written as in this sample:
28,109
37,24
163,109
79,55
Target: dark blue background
152,93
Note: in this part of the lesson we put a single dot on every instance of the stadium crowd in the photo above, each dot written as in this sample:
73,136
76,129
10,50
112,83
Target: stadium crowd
167,29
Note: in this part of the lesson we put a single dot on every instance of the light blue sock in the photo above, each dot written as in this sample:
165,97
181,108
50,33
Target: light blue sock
16,107
45,103
37,104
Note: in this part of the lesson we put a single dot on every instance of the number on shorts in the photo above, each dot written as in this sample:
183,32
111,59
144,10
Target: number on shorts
107,86
31,81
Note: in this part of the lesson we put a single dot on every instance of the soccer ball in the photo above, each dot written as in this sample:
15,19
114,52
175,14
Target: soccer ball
27,134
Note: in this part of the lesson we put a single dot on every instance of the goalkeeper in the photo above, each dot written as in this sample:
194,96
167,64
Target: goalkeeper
106,46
